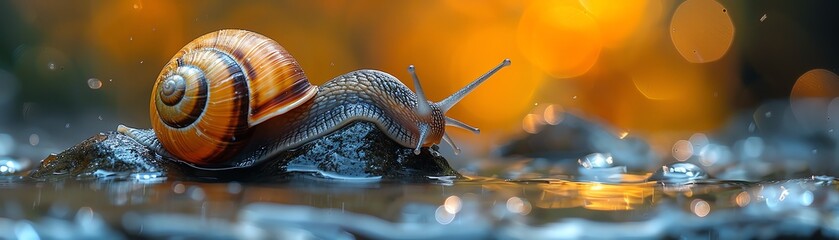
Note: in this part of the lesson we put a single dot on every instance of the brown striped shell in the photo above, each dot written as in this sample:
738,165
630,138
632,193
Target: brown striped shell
217,87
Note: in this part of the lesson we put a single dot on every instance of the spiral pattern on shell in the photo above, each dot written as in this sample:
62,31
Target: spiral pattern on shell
210,94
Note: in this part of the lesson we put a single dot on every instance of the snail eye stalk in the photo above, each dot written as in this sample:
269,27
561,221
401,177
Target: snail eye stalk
423,108
450,101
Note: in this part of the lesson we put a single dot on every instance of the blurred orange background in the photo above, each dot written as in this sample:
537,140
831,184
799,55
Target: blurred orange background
638,65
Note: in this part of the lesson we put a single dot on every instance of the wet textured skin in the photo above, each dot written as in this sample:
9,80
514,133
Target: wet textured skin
363,95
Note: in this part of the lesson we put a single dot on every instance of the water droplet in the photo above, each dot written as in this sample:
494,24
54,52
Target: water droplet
553,114
680,172
762,18
753,147
806,198
574,97
596,160
141,61
743,199
531,123
453,204
196,193
768,114
700,207
34,139
67,125
86,216
178,188
518,205
100,117
623,135
130,38
442,216
94,83
7,144
713,153
9,166
599,167
51,66
234,188
148,177
682,150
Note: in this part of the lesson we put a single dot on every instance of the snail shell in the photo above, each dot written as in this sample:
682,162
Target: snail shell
233,98
212,92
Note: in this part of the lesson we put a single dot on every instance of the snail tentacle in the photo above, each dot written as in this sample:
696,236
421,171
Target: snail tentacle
423,134
423,108
451,143
450,101
456,123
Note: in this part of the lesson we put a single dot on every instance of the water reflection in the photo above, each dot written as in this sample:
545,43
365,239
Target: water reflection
475,208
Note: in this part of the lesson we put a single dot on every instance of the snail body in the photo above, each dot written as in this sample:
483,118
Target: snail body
233,98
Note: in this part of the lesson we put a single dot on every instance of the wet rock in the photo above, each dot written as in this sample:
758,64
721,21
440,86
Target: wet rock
357,151
103,154
576,137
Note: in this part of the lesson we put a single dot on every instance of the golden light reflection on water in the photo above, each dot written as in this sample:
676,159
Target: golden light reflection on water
595,196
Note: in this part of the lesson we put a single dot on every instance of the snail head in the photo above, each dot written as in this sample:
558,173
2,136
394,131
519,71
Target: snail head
427,110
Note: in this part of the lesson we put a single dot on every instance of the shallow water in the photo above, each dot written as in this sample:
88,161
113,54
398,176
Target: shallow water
478,207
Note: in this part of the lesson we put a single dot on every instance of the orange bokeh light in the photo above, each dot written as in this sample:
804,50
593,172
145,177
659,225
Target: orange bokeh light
559,37
502,100
811,98
701,30
618,19
816,83
613,57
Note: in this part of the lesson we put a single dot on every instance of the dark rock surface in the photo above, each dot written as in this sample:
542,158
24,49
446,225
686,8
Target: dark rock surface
357,151
101,155
575,137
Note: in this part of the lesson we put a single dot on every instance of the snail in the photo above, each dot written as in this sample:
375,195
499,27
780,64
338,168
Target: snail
233,98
